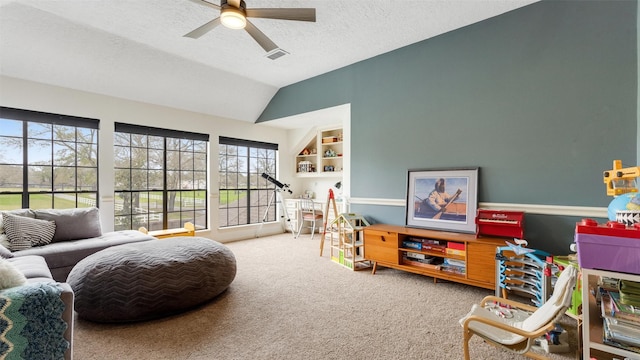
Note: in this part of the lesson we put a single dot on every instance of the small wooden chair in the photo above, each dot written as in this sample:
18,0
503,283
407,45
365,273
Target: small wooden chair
512,334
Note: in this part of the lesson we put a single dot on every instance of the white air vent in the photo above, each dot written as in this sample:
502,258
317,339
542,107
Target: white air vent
276,53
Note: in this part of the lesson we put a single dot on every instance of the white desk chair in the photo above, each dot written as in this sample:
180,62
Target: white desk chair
309,213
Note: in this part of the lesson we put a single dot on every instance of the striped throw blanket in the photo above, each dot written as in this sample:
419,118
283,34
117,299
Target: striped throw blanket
31,325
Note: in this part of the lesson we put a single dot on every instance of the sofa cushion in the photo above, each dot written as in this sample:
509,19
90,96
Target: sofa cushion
62,256
24,232
10,276
33,267
72,224
5,253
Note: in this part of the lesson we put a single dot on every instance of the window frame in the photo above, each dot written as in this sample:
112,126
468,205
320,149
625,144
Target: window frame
31,119
254,197
157,176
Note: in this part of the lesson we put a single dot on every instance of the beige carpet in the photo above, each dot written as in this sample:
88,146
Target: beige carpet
287,302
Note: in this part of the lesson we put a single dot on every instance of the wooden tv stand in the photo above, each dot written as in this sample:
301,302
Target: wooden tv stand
383,244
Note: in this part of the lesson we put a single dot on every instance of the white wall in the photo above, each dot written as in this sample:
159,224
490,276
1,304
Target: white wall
28,95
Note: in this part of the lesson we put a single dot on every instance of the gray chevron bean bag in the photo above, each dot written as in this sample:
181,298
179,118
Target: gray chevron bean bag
147,280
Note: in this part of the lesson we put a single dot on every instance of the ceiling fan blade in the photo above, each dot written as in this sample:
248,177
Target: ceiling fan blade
260,37
297,14
206,3
204,29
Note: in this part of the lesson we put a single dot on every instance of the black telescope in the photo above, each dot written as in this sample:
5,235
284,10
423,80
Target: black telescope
277,183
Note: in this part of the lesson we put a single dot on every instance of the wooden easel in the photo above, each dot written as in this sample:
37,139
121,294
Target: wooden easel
330,198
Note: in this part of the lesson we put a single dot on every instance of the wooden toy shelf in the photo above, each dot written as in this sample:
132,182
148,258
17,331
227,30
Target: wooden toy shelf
346,241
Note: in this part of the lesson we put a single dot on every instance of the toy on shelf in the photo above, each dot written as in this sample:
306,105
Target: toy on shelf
500,223
575,310
621,180
527,271
621,184
555,341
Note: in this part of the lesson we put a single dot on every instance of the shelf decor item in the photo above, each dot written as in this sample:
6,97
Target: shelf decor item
305,167
443,199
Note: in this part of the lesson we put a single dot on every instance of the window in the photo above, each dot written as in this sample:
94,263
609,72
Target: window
160,178
244,193
47,160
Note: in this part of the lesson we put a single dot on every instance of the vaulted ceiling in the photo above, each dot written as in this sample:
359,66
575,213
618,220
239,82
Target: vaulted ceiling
136,49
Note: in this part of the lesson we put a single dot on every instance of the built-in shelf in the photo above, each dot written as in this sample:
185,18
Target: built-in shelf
322,156
591,315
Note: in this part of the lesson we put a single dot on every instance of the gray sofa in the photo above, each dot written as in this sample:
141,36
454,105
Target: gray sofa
76,234
41,312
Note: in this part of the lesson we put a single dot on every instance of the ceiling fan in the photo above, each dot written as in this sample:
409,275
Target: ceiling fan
234,14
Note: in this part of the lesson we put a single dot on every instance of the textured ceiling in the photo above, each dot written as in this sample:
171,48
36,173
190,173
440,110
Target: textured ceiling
135,49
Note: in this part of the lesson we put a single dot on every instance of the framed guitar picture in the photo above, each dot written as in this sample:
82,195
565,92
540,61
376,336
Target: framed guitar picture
442,199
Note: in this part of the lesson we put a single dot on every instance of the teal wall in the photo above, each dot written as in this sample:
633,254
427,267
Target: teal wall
542,99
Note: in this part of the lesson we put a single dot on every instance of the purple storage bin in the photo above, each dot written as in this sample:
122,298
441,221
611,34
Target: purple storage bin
608,253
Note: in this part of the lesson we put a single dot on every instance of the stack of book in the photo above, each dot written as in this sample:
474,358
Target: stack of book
621,315
437,246
454,248
418,259
454,266
630,293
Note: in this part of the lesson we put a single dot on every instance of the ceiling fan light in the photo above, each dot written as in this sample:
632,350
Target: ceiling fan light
233,18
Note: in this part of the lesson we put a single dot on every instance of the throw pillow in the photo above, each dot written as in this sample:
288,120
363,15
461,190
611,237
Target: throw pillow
19,212
10,276
25,232
73,224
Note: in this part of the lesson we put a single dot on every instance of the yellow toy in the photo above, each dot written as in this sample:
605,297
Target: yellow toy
621,181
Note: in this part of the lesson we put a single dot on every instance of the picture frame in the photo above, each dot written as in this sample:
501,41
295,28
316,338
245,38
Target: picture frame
442,199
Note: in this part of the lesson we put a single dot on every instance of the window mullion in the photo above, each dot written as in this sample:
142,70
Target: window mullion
165,192
248,185
25,166
75,164
131,184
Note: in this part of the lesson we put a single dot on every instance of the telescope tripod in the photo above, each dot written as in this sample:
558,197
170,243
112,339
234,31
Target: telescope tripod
276,198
